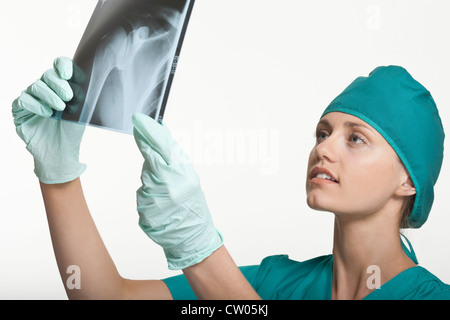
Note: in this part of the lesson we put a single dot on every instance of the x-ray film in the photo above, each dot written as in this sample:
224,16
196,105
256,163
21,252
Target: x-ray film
125,62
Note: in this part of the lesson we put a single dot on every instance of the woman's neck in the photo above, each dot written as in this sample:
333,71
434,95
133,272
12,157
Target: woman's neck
367,253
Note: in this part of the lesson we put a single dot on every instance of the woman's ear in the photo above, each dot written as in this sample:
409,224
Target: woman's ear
406,188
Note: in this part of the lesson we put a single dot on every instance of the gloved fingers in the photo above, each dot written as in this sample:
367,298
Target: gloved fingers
152,184
64,67
153,159
157,136
42,91
60,86
31,104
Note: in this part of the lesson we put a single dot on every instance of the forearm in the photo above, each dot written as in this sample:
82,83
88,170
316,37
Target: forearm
76,242
218,278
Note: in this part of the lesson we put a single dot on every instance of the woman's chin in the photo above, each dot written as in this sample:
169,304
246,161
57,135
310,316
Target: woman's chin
317,204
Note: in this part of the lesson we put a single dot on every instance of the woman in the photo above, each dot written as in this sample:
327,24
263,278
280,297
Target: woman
373,166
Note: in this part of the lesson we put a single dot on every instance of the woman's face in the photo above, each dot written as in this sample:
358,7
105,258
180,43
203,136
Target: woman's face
351,169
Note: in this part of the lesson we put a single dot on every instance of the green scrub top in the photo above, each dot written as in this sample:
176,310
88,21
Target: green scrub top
280,278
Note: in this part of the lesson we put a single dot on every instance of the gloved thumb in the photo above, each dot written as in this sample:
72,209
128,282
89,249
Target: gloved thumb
64,67
149,132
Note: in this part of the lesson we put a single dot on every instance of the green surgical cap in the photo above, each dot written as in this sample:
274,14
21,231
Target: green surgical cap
405,114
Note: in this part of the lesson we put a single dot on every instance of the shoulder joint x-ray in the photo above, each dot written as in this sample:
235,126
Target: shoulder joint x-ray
126,61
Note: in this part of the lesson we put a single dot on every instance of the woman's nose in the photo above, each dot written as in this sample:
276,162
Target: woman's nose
327,149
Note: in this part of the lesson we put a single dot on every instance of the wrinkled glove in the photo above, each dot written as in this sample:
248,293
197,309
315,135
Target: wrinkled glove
54,144
172,207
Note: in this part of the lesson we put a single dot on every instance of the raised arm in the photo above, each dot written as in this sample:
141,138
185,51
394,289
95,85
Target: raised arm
173,212
55,146
171,205
76,242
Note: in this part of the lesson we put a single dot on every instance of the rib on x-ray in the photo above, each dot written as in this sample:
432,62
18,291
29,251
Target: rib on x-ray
126,60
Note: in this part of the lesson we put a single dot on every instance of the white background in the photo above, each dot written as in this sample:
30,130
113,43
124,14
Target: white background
252,68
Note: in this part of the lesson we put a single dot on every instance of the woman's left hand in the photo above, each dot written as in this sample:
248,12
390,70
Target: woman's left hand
171,205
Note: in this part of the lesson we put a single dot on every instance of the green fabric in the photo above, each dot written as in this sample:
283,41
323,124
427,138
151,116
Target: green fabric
409,250
405,114
280,278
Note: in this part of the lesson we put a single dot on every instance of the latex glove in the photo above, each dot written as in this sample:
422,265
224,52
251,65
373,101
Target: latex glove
172,207
54,144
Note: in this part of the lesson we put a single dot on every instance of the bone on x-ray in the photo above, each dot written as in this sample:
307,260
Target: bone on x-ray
125,62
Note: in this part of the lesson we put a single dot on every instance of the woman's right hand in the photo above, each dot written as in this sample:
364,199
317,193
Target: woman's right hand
54,144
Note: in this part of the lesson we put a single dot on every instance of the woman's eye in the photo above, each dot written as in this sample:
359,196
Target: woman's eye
354,138
321,135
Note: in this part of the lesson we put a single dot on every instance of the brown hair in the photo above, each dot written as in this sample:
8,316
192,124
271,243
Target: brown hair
407,207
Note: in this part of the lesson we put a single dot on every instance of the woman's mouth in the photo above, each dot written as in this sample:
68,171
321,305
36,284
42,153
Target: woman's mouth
324,176
321,175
